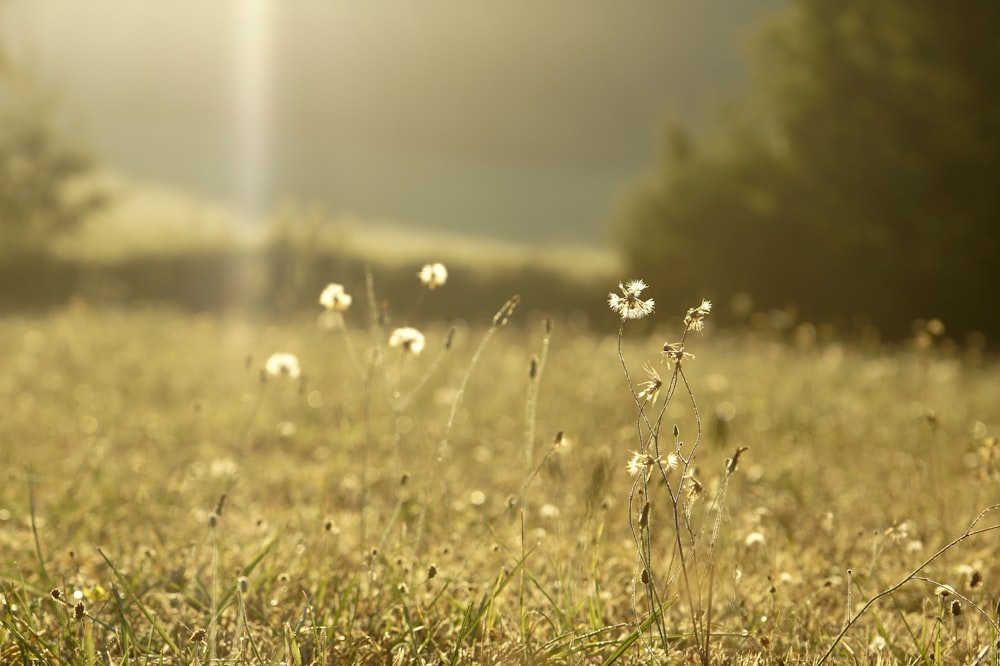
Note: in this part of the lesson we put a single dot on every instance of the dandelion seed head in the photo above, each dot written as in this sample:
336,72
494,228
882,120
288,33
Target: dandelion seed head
282,365
651,388
673,352
433,276
334,298
410,340
694,320
944,591
628,305
640,463
549,511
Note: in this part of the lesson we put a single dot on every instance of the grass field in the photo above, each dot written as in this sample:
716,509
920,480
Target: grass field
165,500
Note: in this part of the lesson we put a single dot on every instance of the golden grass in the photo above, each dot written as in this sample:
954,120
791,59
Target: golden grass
124,428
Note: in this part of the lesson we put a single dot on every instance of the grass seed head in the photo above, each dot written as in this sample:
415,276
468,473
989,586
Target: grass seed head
975,579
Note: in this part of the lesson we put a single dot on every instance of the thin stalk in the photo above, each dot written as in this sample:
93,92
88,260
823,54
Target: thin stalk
499,320
970,532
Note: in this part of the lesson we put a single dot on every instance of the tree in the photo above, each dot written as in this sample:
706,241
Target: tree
42,193
859,177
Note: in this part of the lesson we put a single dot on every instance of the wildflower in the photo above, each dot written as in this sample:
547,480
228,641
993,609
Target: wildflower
694,320
650,389
629,305
754,539
643,462
673,352
878,644
639,462
550,511
672,461
283,365
335,298
943,591
433,275
410,340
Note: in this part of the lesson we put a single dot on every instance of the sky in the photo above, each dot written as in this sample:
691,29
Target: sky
520,120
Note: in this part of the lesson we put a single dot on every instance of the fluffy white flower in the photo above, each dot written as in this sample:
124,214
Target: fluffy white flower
433,275
408,339
628,305
283,365
335,298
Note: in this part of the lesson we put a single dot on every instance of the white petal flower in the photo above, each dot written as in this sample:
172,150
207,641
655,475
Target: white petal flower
283,365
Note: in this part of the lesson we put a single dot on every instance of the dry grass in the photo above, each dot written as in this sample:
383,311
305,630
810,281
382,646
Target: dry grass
123,429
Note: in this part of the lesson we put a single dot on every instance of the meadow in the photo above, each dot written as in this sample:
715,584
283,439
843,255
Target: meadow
173,493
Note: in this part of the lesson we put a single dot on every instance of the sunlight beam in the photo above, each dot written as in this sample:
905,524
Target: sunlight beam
254,61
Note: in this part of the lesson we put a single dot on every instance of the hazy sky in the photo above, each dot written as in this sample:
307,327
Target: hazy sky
519,119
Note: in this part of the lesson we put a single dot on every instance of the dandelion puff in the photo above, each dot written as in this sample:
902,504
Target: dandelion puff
334,298
694,320
673,352
636,463
283,365
410,340
944,591
628,305
672,461
433,276
878,644
640,463
651,388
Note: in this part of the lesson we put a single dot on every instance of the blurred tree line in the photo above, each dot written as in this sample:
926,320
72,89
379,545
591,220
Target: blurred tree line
43,191
859,176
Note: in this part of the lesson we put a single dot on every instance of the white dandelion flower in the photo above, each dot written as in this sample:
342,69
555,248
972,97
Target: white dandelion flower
283,365
628,305
408,339
335,298
433,276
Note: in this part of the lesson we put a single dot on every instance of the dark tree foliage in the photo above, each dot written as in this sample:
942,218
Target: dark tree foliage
860,178
42,193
